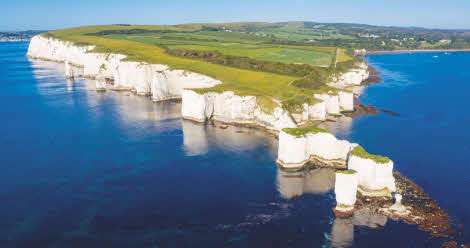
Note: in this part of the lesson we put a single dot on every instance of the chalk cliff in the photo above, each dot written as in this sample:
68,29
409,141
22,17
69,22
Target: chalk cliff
346,189
156,80
369,174
353,77
322,148
113,71
375,177
230,108
335,103
162,83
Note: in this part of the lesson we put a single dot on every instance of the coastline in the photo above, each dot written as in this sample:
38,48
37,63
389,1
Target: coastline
416,51
98,72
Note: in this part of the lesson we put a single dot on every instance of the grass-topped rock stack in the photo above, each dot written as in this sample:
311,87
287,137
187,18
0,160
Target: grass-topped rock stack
346,184
297,146
375,172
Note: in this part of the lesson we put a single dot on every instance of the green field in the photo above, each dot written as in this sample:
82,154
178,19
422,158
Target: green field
238,45
246,63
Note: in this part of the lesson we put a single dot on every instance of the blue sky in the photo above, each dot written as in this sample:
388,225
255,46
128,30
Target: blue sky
52,14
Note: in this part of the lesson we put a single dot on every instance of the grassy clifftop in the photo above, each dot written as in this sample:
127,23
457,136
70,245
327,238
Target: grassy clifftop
359,151
246,63
302,131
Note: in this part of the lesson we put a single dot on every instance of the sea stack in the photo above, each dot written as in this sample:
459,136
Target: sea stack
68,71
346,185
375,173
398,208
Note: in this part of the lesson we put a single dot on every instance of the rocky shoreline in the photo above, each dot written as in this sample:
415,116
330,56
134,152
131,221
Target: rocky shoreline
421,210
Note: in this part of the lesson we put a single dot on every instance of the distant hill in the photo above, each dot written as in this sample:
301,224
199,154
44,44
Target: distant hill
355,36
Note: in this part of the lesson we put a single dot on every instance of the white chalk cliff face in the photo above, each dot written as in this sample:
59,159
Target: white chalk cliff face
374,178
346,189
335,103
230,108
322,148
292,150
370,177
353,77
162,83
326,149
332,104
159,81
317,111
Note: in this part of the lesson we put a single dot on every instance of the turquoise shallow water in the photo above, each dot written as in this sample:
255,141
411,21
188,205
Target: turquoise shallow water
84,169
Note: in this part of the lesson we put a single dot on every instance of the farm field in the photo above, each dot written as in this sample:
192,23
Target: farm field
211,41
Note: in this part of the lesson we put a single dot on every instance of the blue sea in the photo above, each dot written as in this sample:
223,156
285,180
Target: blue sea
86,169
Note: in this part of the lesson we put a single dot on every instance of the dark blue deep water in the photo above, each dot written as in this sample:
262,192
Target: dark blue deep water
87,169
